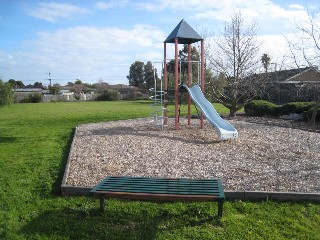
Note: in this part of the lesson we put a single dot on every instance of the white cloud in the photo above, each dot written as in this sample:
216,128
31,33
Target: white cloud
222,10
296,6
88,53
252,9
53,11
102,5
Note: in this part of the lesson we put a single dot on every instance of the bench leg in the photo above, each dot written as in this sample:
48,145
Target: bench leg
220,208
102,205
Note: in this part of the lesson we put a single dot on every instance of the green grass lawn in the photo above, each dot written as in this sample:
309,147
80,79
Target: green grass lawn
34,146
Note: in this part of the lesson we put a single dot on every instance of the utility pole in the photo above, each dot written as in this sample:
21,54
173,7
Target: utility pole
49,79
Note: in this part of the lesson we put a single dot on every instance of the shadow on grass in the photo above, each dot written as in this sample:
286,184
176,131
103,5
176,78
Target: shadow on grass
77,224
120,221
7,139
56,186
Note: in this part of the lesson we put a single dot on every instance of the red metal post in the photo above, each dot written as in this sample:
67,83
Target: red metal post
176,85
202,78
165,86
189,81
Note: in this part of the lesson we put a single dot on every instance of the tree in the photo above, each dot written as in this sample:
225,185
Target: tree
108,95
12,82
78,82
16,84
19,84
235,57
54,89
136,74
149,75
305,49
183,56
38,85
6,93
265,60
101,86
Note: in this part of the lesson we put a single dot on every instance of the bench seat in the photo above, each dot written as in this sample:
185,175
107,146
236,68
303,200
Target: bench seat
160,189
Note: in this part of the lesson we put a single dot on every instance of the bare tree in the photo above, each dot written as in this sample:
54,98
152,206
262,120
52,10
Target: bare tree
305,49
234,58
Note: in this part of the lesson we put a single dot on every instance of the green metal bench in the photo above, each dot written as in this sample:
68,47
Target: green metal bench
164,189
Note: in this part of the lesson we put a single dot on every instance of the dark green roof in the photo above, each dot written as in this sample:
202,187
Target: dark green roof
184,33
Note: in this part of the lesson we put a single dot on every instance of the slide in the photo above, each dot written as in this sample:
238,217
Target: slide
224,128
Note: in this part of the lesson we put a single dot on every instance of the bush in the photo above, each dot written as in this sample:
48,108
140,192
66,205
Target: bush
6,93
33,98
294,107
260,108
308,114
108,95
133,95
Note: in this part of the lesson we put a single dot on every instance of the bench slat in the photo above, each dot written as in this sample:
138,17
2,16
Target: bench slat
144,188
161,186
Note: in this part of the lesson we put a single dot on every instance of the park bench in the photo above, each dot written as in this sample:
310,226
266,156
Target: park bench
159,189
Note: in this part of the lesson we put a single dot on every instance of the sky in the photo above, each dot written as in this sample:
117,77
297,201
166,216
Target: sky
97,41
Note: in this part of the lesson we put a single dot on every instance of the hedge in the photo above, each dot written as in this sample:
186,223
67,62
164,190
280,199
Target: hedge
260,108
266,108
294,107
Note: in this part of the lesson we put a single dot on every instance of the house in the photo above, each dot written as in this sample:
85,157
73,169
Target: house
21,93
300,84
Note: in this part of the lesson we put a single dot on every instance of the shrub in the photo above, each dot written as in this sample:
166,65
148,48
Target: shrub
33,98
294,107
108,95
308,114
133,95
260,108
6,93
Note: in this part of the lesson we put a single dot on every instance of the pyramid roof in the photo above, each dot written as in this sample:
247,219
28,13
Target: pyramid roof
184,33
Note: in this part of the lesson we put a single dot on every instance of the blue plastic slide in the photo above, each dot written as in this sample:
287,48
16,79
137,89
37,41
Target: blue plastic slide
224,128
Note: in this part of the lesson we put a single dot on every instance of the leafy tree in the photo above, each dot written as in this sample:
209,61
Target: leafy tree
54,89
183,56
78,81
12,82
6,93
38,85
19,84
16,84
265,60
235,56
136,74
149,75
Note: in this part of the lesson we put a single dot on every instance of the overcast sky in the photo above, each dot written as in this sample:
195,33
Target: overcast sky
99,40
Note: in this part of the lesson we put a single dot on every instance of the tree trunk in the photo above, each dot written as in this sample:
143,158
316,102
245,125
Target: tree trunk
232,112
314,113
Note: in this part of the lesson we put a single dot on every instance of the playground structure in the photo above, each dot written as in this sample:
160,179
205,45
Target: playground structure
185,34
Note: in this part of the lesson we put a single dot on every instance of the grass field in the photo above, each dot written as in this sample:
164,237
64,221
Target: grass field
34,145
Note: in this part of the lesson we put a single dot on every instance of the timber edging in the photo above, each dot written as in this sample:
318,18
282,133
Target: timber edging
229,195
